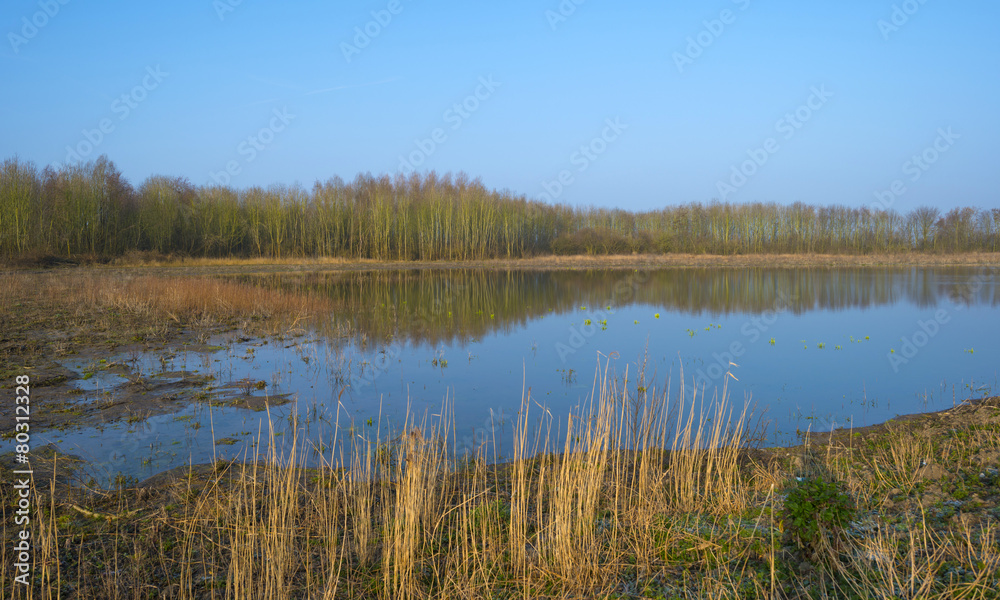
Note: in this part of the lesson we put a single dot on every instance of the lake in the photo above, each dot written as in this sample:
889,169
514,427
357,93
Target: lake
807,348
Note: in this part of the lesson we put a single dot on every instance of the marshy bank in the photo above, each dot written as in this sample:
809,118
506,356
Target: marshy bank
653,506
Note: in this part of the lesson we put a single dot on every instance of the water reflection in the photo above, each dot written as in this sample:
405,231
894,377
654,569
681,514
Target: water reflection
461,305
814,348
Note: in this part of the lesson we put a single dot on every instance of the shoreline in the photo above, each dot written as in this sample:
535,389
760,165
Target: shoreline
963,414
923,491
547,262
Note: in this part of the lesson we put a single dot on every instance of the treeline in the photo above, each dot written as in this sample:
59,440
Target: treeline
91,209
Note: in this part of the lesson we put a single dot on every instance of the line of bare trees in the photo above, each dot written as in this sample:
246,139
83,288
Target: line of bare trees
90,209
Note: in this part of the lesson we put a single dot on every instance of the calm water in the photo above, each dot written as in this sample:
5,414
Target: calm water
811,348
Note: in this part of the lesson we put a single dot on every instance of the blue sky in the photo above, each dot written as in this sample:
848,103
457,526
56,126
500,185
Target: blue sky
291,93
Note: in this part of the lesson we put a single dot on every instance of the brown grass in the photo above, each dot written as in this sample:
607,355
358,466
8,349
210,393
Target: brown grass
155,299
601,261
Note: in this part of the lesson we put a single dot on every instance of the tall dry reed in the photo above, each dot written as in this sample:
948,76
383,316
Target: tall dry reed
608,500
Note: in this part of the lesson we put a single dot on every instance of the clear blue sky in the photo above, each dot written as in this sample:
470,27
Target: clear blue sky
223,74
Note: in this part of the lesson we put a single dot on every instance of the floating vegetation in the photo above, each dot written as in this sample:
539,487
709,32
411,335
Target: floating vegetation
568,375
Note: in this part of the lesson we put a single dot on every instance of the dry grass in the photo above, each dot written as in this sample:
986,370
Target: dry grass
162,299
158,260
601,261
675,507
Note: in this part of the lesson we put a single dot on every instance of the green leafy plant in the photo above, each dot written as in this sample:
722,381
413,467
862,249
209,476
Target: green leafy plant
815,515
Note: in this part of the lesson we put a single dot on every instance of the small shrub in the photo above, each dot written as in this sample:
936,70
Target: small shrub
815,514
